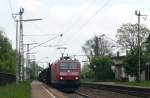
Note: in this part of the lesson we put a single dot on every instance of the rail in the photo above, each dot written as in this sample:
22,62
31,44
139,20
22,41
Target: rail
136,91
83,95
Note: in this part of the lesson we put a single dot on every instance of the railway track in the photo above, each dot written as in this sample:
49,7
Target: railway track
82,94
61,94
77,95
122,89
85,92
101,91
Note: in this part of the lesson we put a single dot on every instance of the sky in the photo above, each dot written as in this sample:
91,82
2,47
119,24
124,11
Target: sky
77,20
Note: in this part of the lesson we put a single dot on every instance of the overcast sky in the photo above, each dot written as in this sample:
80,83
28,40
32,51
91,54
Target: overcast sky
78,20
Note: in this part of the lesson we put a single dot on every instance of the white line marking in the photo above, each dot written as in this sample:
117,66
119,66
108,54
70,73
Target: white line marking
48,92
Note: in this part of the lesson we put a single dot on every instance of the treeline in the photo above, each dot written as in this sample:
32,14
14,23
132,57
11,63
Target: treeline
7,55
99,52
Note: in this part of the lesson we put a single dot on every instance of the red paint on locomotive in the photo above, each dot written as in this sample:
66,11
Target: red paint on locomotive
63,73
66,72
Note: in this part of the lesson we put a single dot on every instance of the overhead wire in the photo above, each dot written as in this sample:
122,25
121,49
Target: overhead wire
11,10
67,30
89,19
77,20
37,35
35,25
10,6
39,29
31,39
44,42
40,35
84,24
70,27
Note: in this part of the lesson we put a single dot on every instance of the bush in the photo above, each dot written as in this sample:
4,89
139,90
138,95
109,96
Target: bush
102,68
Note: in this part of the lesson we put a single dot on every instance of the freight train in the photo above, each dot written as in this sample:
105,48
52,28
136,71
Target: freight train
63,74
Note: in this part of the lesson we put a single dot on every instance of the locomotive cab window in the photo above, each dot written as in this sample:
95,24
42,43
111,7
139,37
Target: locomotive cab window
63,66
72,66
68,66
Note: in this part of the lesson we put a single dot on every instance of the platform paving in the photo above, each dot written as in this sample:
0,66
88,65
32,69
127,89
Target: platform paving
39,91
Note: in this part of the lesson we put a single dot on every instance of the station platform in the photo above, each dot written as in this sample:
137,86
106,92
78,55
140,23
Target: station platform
39,91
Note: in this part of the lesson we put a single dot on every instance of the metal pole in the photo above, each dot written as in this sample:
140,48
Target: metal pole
17,70
28,60
27,67
139,44
21,45
139,61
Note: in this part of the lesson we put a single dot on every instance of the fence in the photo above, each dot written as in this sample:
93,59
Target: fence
6,78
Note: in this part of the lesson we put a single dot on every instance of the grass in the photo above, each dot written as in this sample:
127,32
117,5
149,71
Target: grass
141,83
20,90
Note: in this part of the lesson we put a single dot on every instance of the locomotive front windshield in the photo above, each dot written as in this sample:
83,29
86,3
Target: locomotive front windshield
68,66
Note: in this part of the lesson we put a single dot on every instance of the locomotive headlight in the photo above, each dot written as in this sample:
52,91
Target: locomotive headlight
68,70
76,78
61,78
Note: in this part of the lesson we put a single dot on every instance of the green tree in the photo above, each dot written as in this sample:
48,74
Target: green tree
127,36
87,72
101,65
147,48
96,46
131,62
35,69
7,55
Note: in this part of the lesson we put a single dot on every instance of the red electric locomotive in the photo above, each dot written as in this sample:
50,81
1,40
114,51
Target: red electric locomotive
64,74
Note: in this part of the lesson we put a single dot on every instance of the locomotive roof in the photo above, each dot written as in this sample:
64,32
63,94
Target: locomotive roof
67,60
